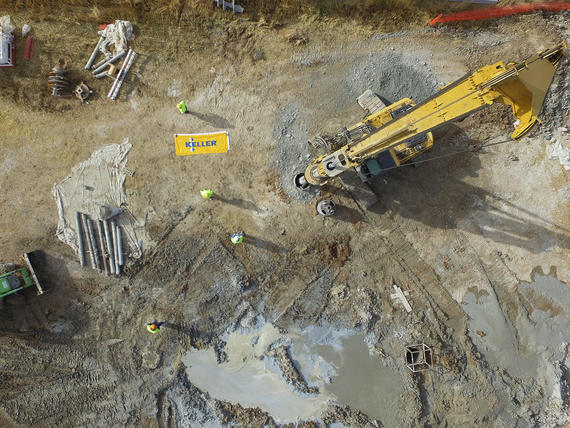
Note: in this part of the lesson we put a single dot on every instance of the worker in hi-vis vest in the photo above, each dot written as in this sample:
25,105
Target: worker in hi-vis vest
154,327
237,238
181,107
207,193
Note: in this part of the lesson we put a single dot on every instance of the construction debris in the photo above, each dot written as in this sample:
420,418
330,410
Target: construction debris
401,297
118,35
419,357
82,92
558,151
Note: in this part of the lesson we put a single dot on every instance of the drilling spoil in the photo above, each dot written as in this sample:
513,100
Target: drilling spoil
297,325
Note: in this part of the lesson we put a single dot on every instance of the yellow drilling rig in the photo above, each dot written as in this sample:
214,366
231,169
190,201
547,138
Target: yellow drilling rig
391,136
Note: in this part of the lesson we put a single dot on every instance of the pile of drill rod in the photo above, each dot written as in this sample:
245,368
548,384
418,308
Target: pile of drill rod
102,241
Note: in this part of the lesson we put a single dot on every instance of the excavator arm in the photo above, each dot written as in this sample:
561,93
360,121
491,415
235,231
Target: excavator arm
402,130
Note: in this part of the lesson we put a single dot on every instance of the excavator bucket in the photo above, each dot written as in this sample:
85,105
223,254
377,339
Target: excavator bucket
526,93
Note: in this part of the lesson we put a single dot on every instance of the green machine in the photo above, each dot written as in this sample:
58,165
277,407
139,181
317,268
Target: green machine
20,278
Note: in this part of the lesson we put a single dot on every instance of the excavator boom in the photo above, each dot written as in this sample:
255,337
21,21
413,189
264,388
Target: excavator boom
403,130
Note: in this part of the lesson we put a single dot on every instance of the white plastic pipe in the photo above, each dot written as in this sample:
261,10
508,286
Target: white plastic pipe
114,91
115,246
120,245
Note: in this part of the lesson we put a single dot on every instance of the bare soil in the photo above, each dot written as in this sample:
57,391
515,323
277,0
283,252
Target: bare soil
461,234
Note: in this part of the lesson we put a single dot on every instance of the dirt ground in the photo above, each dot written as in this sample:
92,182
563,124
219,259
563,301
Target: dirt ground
480,240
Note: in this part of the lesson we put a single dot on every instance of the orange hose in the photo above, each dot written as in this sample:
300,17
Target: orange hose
495,12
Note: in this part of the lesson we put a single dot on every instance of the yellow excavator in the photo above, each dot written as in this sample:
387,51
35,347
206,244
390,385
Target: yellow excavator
391,136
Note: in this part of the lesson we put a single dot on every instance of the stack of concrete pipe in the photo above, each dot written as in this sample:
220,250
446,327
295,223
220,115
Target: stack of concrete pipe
101,243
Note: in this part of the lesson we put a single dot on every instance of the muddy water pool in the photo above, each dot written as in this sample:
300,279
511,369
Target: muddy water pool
338,362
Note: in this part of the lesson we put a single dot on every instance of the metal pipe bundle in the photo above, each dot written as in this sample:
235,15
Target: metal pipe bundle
107,55
100,63
104,245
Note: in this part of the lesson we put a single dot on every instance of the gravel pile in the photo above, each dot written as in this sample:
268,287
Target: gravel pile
393,76
291,132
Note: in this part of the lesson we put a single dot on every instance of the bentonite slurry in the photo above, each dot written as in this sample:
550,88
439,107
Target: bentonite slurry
337,362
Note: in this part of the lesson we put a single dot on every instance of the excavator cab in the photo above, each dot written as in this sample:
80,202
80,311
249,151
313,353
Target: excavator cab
20,278
397,155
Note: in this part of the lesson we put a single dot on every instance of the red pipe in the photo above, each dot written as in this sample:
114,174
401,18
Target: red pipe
29,48
495,12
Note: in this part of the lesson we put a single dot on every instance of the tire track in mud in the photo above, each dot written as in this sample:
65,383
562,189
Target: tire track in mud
163,410
422,275
306,289
503,284
60,381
